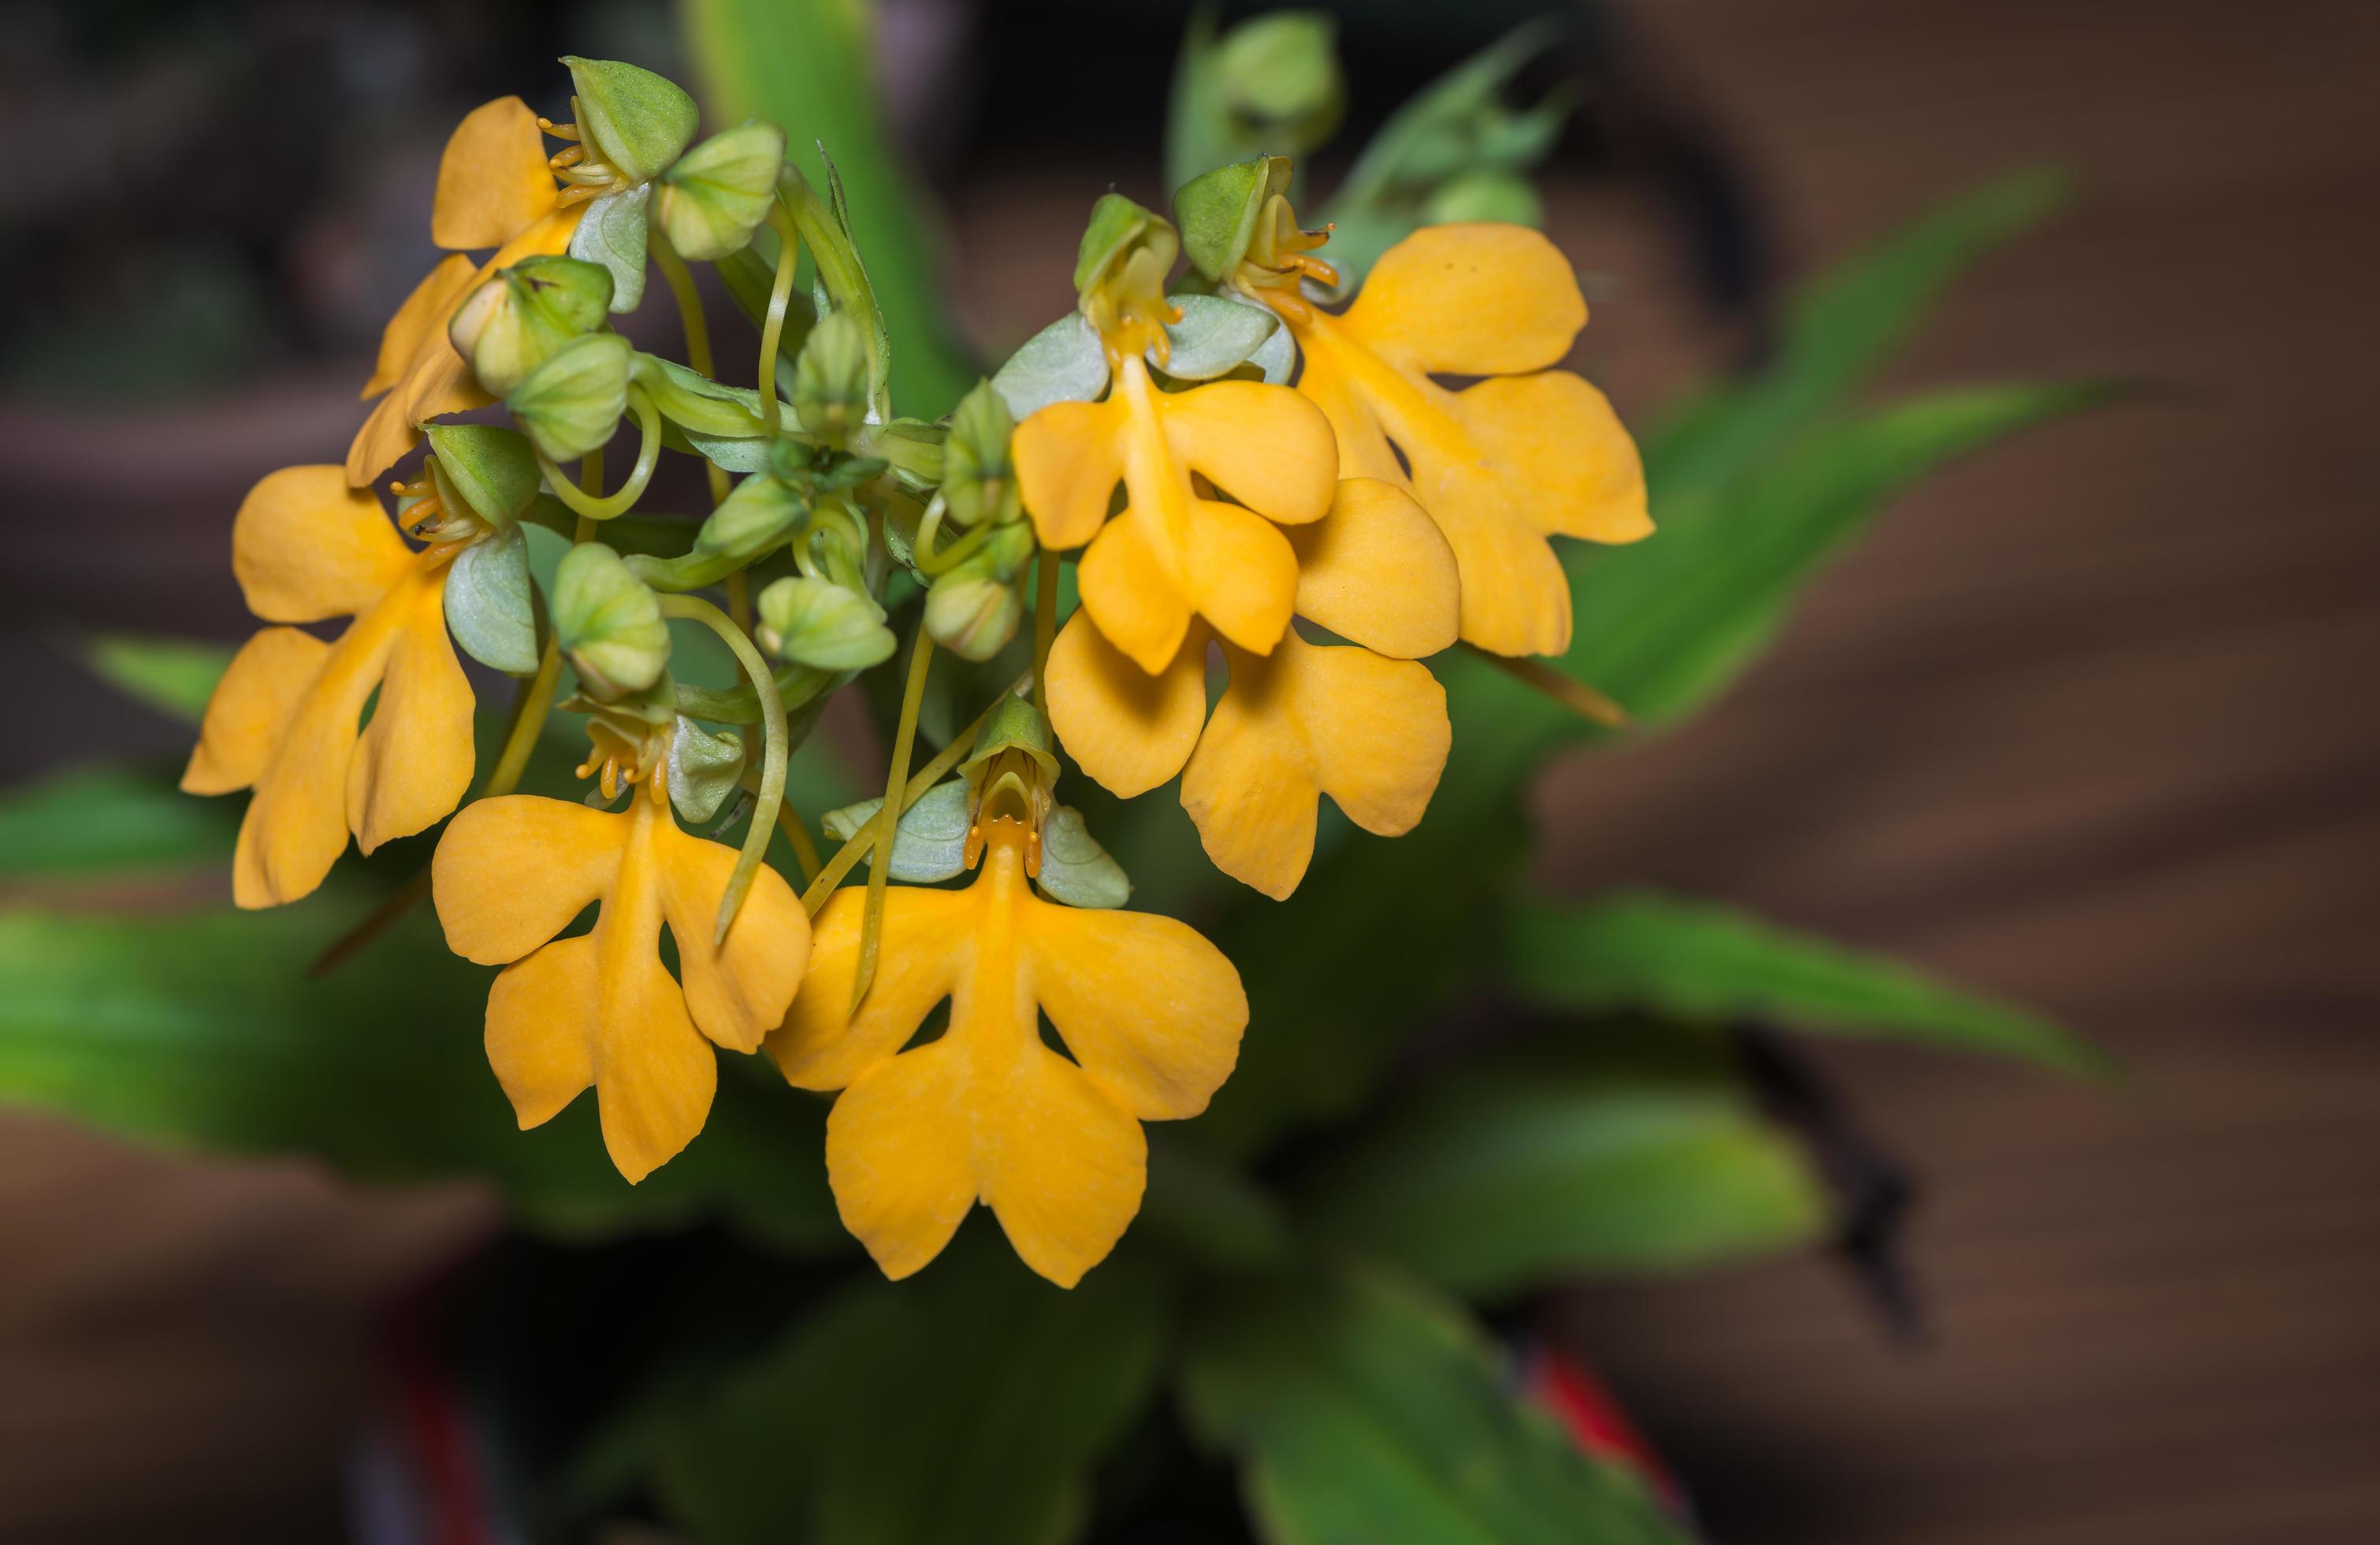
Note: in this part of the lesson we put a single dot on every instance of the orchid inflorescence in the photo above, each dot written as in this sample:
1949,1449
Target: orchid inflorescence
1244,482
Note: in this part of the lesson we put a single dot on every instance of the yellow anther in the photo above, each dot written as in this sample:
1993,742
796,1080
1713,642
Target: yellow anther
552,130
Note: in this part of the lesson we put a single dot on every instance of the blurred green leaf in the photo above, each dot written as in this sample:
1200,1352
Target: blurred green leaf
1711,965
174,676
1527,1172
1366,1411
202,1030
807,65
965,1404
111,817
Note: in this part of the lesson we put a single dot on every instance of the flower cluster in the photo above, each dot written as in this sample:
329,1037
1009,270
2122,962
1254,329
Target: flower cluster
1235,473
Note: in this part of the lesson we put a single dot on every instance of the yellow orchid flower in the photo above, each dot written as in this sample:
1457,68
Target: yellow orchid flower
495,189
1174,553
600,1008
1151,1012
1366,723
1527,454
285,718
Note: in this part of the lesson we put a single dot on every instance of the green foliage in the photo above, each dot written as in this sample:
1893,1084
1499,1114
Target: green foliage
966,1406
1520,1173
203,1029
109,822
174,676
1364,1411
1708,965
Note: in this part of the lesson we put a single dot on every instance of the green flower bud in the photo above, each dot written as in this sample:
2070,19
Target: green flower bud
817,623
524,314
971,614
630,119
831,377
1005,553
1221,210
488,469
720,191
978,479
1281,78
608,623
1485,195
760,512
572,404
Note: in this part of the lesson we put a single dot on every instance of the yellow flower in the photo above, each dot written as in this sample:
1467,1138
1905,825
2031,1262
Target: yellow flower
1151,1012
1174,553
1501,464
600,1008
494,189
1354,723
283,718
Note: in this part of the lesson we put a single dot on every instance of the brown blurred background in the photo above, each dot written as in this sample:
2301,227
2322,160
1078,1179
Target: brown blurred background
2089,721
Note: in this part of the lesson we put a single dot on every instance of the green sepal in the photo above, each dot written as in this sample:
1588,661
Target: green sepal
609,623
821,624
632,120
572,404
831,376
928,841
1075,869
490,467
978,474
718,192
757,514
613,233
1218,212
701,769
1118,229
1015,723
972,613
1063,362
526,314
1214,336
491,601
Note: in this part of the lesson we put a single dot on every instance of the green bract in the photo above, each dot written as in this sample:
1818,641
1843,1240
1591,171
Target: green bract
572,404
1218,212
491,601
488,468
608,623
928,841
760,512
632,120
720,191
1122,234
611,233
816,622
524,314
702,769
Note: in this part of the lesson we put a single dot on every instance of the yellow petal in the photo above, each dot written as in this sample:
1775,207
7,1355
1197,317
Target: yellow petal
1379,572
511,873
654,1074
1363,443
1061,1161
257,693
538,1015
1242,575
1068,461
739,991
1370,731
1515,593
1470,299
898,1154
925,940
1128,729
1265,445
492,181
297,824
1152,1011
1556,441
1131,591
413,764
305,546
429,306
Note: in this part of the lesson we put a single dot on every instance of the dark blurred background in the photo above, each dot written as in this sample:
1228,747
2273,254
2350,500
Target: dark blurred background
2090,722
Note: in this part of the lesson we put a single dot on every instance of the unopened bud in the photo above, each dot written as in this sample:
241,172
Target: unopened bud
973,615
526,314
831,377
978,479
572,404
1487,194
716,196
608,623
488,468
816,622
760,512
1281,78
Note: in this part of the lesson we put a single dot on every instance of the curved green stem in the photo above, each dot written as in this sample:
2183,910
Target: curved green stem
863,840
888,816
582,502
698,343
773,747
772,327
